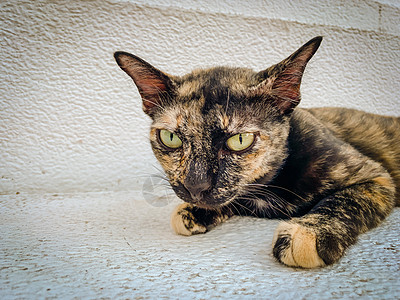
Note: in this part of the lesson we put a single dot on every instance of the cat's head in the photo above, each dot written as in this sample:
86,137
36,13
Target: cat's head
217,131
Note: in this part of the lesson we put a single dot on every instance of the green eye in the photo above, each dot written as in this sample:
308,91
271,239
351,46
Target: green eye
170,139
240,142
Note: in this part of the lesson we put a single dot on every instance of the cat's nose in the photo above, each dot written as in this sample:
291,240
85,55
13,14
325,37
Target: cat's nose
197,180
197,189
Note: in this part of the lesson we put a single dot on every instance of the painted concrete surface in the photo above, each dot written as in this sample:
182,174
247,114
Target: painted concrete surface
113,246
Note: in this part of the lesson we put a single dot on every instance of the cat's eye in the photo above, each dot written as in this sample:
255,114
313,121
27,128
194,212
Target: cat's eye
169,139
240,142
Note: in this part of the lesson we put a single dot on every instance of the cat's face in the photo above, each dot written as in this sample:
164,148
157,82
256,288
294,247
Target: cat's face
218,131
215,138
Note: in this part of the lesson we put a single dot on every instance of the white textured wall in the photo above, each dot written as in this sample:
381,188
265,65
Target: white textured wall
71,120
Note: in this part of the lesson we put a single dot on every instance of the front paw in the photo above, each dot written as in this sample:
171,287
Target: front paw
296,246
184,222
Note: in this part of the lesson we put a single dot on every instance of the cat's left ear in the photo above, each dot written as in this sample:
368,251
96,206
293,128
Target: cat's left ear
282,81
154,86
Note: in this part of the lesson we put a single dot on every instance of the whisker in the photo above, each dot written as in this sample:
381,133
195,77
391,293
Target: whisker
272,202
277,187
154,103
227,103
234,206
252,212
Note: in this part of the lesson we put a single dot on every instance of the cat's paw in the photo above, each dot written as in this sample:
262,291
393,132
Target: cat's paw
183,221
296,246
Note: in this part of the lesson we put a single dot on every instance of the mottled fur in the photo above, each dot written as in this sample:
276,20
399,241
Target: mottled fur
331,173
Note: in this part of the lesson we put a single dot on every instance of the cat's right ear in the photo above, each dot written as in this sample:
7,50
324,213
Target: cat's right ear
154,86
282,81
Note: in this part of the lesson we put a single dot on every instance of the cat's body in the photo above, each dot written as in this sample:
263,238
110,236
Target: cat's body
324,156
232,141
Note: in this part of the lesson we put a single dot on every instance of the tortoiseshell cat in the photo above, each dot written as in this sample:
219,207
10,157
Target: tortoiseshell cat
232,142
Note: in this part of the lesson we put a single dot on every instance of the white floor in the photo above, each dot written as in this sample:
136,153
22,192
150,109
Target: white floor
109,245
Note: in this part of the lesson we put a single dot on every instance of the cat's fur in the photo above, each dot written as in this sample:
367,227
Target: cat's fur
332,173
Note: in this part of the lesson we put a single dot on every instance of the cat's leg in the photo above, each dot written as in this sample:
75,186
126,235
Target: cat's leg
188,219
321,237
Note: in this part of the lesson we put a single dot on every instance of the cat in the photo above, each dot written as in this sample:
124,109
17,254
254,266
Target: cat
233,142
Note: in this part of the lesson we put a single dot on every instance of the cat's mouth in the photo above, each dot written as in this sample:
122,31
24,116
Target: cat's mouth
207,204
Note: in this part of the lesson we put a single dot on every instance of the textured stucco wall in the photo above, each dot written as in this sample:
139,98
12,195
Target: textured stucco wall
71,120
